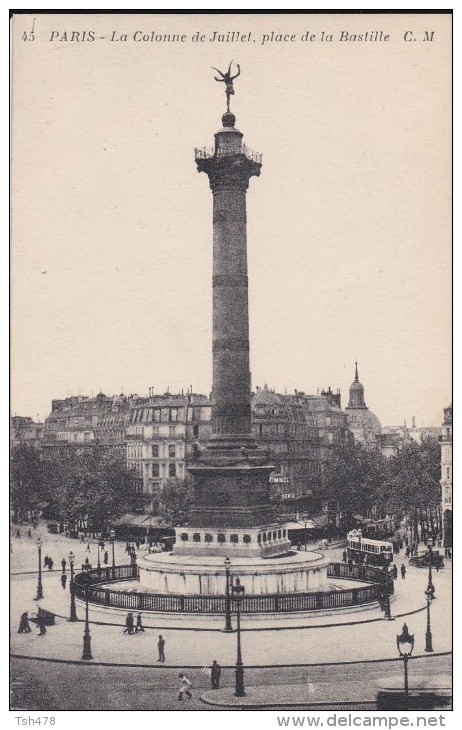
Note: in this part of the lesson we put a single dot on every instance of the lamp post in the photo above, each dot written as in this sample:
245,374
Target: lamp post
428,633
73,613
39,584
99,561
228,624
238,591
405,643
86,655
430,587
112,538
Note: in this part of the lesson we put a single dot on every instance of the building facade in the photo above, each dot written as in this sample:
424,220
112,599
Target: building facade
446,476
24,431
80,423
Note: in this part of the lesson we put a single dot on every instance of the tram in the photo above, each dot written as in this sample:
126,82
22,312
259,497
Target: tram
365,550
377,529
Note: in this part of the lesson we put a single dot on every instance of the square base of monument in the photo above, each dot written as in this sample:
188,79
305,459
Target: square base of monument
247,542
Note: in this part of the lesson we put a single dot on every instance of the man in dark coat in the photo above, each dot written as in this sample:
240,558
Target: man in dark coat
24,627
215,675
129,624
160,648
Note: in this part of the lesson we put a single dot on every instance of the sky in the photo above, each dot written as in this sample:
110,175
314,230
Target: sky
349,224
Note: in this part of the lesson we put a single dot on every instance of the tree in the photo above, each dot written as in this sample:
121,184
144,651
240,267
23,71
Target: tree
92,488
353,478
412,487
27,482
175,501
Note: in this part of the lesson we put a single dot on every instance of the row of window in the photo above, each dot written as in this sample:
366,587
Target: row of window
157,415
136,450
154,430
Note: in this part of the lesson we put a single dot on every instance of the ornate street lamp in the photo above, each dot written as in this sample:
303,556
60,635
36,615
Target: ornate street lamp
228,624
112,538
73,613
86,655
238,591
405,643
428,633
39,584
430,587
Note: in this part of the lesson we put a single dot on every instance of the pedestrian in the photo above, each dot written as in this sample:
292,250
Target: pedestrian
350,563
64,581
63,564
29,533
403,571
87,562
45,561
18,534
50,564
82,538
102,544
344,556
129,624
449,553
41,625
106,557
395,572
160,648
215,675
185,686
408,551
24,627
139,625
88,547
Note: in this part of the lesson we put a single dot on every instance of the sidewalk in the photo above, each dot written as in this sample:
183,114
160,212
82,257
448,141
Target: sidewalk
192,640
291,695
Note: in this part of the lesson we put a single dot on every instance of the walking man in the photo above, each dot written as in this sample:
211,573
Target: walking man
403,571
185,685
215,675
24,627
106,557
63,565
139,625
129,624
160,648
64,581
395,572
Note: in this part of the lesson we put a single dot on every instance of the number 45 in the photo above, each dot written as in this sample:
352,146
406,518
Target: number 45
28,36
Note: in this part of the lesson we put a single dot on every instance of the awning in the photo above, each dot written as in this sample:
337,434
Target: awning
145,521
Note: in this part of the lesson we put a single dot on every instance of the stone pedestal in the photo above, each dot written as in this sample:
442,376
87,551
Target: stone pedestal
298,572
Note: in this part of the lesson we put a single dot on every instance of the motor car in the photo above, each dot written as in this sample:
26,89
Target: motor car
423,561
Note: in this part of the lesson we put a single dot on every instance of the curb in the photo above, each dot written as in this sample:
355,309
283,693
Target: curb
224,666
253,629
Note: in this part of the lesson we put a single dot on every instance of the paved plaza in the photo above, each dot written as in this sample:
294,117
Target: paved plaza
281,644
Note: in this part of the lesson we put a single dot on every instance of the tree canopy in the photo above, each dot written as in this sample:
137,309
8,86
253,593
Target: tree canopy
28,483
175,501
95,486
353,478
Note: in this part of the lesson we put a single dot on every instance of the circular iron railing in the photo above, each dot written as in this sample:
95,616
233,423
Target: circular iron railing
379,585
